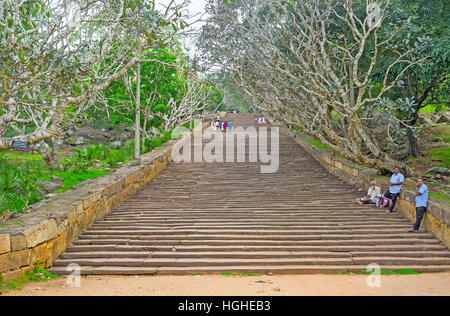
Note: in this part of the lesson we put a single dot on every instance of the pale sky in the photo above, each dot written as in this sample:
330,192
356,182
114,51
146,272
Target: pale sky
195,7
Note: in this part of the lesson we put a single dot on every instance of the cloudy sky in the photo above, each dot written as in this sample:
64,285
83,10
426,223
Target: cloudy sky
195,7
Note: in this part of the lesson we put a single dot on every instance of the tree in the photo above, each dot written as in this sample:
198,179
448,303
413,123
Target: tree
311,64
58,55
428,83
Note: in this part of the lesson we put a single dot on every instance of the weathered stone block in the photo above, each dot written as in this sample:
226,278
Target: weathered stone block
91,199
62,227
14,260
72,215
79,207
39,254
18,242
72,233
435,211
40,233
5,243
55,248
11,275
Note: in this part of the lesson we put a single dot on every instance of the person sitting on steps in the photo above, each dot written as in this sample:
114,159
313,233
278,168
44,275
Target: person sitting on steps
395,186
372,195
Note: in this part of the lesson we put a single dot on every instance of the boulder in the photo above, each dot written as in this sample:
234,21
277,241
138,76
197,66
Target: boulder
441,117
57,180
50,187
78,141
439,170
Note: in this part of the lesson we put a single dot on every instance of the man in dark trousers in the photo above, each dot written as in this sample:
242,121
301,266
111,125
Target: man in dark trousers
421,204
395,186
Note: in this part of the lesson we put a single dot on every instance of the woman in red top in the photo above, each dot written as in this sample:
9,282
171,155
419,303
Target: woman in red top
225,127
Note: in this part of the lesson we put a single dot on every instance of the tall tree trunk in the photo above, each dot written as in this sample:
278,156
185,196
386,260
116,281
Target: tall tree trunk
412,141
137,138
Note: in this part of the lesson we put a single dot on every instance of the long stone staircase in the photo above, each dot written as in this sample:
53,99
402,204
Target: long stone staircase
229,217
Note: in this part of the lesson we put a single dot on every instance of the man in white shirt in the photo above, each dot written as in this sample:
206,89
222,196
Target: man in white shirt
372,194
395,186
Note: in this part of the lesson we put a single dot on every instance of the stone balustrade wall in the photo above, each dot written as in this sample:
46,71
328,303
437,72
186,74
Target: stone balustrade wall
40,236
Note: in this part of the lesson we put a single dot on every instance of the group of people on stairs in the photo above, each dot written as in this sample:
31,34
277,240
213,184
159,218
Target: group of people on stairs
374,196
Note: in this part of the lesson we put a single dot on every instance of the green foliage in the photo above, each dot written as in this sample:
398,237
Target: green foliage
159,84
71,179
156,142
19,184
38,274
86,158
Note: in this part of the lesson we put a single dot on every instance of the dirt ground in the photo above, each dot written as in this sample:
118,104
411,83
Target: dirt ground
304,285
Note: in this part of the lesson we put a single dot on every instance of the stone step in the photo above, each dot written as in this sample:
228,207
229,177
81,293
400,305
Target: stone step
251,254
210,218
230,270
192,262
265,237
259,242
203,255
261,232
203,248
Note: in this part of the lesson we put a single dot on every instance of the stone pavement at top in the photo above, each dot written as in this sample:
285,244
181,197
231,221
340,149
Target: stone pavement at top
217,217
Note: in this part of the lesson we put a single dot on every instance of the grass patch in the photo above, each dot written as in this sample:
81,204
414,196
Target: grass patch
407,272
432,109
230,273
309,138
72,179
390,272
318,144
382,272
17,156
442,155
443,138
250,274
38,274
440,196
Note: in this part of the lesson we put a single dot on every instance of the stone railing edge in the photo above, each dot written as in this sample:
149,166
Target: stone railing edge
42,235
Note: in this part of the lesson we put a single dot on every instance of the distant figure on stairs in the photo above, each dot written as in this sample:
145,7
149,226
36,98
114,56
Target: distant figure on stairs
372,195
395,186
256,121
421,204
